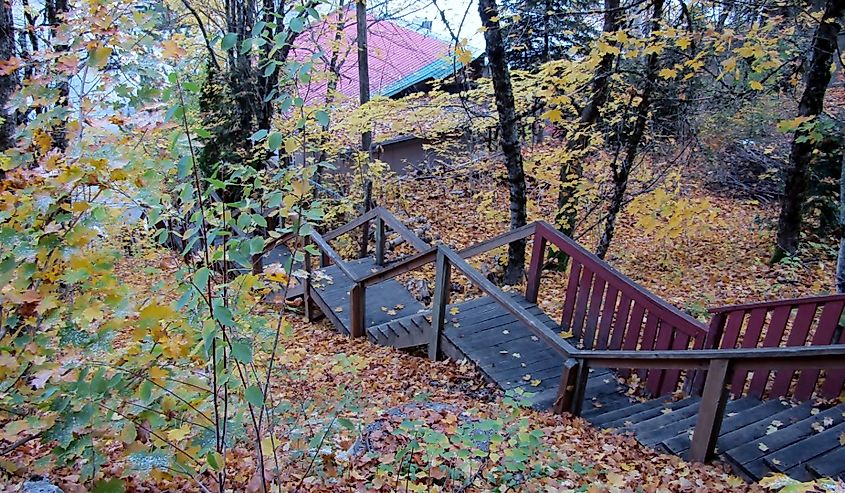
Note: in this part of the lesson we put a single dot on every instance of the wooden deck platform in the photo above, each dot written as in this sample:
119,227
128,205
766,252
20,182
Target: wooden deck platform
614,323
385,301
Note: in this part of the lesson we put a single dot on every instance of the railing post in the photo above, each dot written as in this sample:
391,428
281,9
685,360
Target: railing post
442,285
568,386
538,253
380,241
357,309
711,410
306,286
711,341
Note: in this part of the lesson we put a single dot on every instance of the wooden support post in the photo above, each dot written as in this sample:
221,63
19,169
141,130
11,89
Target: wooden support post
306,289
325,261
357,309
538,253
580,388
380,241
711,341
442,285
566,391
711,410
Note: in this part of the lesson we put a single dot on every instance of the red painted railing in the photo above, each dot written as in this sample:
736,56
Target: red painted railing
814,321
604,309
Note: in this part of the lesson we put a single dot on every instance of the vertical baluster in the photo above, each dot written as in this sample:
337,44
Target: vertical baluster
750,339
797,337
584,286
593,314
620,323
663,342
607,317
671,378
538,253
834,381
571,294
825,332
774,334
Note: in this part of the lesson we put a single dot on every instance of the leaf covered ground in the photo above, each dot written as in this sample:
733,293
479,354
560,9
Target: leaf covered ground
343,391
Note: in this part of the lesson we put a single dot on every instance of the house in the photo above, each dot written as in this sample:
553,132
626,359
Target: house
402,61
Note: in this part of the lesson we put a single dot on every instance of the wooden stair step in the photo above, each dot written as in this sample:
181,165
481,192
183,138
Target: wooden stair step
670,424
610,415
738,412
750,457
687,405
806,449
405,332
736,428
829,465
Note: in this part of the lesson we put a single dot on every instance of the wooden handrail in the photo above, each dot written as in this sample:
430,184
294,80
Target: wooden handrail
403,231
429,255
498,241
533,323
327,249
351,225
777,303
407,264
693,355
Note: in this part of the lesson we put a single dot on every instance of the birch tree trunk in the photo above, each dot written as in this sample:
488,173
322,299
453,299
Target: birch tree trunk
8,82
508,134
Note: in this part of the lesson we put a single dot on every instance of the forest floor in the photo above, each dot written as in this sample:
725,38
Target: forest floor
727,264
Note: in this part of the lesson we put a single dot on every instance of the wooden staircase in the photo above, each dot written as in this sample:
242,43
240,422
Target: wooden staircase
741,388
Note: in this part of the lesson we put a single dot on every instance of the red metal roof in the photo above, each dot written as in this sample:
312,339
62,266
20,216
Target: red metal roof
395,53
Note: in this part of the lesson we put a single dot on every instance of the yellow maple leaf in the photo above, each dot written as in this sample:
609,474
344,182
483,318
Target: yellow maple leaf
756,85
668,73
179,434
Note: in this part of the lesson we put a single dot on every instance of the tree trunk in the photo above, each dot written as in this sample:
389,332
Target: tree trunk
622,173
570,172
840,262
811,105
508,135
8,82
56,9
363,66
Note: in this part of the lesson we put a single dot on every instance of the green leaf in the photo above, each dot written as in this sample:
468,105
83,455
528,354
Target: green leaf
215,460
274,141
223,315
113,485
203,133
346,423
145,390
254,396
322,118
201,277
297,25
229,41
242,352
258,135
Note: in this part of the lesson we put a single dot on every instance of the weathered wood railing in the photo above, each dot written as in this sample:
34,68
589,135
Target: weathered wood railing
357,298
814,321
